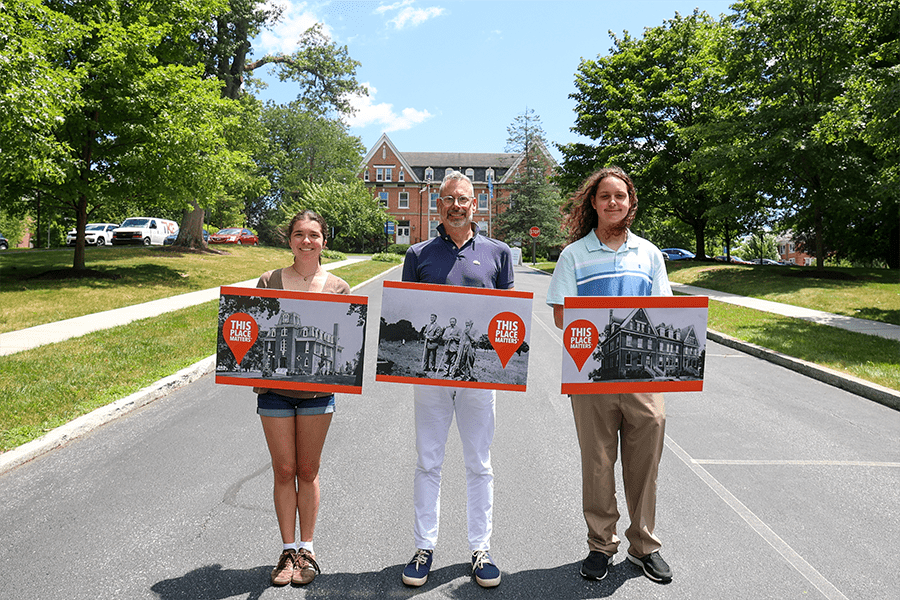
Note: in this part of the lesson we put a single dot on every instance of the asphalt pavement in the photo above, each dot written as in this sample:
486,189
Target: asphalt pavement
772,485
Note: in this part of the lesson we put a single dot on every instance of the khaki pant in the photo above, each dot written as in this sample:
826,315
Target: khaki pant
641,421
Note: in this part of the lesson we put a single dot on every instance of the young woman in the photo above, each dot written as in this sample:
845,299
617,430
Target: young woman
295,423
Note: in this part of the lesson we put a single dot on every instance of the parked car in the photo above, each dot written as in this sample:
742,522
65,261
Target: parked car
144,230
766,261
234,235
676,253
95,234
4,243
171,239
737,260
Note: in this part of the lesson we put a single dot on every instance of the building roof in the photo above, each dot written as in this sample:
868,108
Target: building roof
460,159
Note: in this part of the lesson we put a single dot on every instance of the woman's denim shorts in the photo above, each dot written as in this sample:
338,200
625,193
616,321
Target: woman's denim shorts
271,404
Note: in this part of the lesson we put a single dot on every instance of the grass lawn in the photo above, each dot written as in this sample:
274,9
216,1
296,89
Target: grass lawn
32,295
38,391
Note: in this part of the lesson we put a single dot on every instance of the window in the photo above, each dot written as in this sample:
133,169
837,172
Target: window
383,198
366,175
400,175
429,174
432,203
482,201
470,173
489,175
447,171
403,202
432,229
387,174
379,174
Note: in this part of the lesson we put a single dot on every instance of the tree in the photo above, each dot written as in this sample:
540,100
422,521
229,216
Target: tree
36,90
534,201
642,104
866,113
301,147
324,71
139,125
355,217
790,62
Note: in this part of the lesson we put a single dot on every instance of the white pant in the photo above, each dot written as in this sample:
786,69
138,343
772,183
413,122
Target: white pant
475,413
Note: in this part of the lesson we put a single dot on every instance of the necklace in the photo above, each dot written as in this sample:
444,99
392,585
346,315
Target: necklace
306,278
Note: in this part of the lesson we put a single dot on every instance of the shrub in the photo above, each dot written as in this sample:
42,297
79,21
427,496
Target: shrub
398,249
387,257
334,254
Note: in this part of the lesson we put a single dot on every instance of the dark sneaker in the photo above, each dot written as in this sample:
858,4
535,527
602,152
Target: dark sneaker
305,567
654,566
485,571
284,570
595,566
416,572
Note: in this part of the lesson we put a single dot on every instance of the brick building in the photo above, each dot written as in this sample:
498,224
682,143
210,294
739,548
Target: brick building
407,184
635,348
790,252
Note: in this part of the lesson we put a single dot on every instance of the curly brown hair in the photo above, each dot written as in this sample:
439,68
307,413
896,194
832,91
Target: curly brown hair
581,217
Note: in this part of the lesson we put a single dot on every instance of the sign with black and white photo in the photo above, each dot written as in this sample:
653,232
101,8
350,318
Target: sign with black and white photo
454,336
634,344
280,339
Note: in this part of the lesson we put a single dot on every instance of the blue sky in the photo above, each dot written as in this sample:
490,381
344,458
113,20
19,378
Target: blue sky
451,76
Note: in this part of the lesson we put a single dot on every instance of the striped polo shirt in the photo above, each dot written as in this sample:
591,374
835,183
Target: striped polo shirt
590,268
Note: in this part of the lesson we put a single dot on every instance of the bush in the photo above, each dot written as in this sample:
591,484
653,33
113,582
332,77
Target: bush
334,254
387,257
398,249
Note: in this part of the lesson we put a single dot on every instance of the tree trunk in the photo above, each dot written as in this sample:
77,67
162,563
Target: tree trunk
820,243
190,234
81,217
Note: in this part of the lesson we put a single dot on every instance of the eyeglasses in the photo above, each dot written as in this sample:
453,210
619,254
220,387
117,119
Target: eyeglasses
463,201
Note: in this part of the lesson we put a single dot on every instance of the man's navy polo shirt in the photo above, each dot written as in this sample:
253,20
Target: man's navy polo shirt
481,262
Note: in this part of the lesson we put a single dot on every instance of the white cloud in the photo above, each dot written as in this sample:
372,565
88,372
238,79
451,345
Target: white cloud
409,15
283,36
383,114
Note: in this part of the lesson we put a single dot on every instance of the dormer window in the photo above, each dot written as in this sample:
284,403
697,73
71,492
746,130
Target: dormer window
429,174
489,175
470,173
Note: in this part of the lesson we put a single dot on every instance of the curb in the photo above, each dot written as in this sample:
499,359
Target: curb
844,381
100,416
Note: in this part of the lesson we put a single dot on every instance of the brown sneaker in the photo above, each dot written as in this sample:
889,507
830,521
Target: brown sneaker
305,567
284,570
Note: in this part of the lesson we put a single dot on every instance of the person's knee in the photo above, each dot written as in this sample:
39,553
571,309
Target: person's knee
284,472
307,472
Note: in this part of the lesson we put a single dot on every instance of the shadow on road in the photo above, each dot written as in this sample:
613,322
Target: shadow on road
213,583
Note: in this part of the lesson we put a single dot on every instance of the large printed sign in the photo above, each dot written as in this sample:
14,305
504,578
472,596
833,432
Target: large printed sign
454,336
280,339
633,344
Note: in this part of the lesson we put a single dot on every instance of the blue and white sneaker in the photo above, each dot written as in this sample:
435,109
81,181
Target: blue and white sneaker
485,571
416,571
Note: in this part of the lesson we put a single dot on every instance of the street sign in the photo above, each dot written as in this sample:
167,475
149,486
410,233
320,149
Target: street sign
535,231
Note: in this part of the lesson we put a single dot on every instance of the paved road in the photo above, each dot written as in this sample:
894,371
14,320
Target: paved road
772,486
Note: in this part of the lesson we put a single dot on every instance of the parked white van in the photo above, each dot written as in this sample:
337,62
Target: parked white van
144,230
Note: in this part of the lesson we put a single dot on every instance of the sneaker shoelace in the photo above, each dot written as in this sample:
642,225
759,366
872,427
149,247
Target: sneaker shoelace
421,557
304,559
481,557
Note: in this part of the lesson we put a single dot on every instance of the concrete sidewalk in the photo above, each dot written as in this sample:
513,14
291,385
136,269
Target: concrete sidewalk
885,330
50,333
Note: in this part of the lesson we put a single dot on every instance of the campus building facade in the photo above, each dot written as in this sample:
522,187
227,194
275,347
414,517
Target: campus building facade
407,185
633,347
301,349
